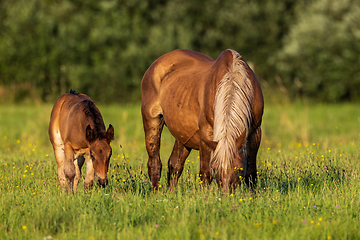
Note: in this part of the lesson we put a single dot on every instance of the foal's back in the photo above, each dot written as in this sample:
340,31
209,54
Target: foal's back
68,119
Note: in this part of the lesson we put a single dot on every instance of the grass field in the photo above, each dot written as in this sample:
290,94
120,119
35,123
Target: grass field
308,187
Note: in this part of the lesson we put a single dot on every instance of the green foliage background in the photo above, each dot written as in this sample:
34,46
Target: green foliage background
102,48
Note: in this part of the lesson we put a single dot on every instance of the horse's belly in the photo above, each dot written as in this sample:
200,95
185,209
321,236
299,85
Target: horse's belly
180,107
184,128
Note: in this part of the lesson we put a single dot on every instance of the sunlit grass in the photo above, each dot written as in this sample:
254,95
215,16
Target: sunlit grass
308,184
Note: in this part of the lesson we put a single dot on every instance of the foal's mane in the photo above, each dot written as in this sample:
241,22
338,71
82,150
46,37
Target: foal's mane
74,92
232,113
93,112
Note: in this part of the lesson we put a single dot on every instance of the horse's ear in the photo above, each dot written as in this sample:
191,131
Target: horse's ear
90,136
211,144
110,133
241,140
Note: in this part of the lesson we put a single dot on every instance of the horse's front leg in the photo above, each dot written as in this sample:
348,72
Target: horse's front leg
252,147
205,174
176,162
153,126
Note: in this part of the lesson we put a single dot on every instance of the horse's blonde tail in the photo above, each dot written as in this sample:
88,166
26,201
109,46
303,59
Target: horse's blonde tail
232,114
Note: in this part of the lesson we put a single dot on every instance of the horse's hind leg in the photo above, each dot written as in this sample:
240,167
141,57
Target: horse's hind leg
252,147
176,162
153,126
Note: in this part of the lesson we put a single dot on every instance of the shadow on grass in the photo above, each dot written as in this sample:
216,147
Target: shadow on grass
283,178
286,180
125,178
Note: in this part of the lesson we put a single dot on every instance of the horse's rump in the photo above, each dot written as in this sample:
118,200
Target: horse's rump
232,113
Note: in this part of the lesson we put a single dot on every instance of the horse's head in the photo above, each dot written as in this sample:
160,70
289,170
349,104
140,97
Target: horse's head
229,176
239,163
100,153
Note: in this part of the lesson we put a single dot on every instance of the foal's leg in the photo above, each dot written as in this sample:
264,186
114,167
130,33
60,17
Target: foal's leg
176,162
252,147
205,175
153,126
77,176
60,160
79,161
69,167
89,178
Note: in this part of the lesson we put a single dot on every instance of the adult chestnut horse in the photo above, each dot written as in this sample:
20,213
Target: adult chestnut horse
212,106
77,133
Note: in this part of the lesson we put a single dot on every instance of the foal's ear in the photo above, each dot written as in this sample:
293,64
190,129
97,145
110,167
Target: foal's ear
110,133
90,135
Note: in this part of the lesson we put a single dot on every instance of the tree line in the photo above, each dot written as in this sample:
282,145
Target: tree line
102,48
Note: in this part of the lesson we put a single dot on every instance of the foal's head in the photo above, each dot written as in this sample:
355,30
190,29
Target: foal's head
100,153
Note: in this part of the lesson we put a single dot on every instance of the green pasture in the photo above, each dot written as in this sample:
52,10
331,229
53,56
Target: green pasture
308,186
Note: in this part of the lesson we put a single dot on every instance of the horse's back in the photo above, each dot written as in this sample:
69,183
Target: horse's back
177,60
178,85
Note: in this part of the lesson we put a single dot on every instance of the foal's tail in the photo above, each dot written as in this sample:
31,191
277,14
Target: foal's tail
232,114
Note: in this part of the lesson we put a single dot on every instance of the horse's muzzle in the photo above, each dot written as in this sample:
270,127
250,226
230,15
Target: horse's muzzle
102,182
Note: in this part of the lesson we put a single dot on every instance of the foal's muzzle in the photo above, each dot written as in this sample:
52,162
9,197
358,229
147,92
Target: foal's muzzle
102,182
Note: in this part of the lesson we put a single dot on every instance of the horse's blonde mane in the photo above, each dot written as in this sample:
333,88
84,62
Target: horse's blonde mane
232,112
